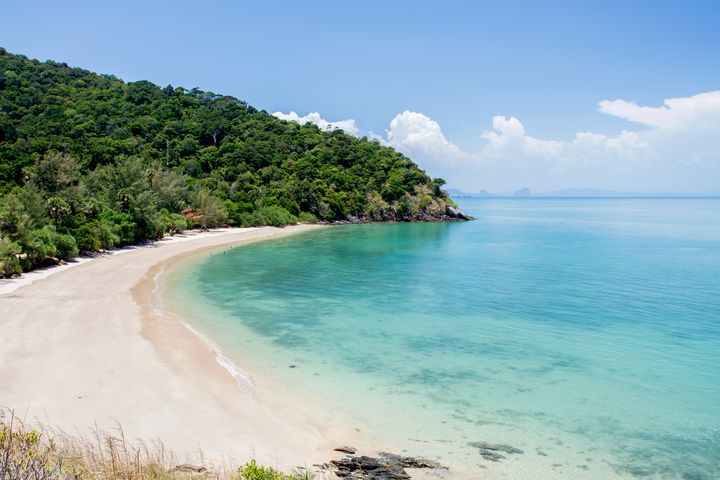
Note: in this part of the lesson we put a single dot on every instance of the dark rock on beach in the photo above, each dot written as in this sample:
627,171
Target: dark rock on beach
386,466
346,449
409,462
368,468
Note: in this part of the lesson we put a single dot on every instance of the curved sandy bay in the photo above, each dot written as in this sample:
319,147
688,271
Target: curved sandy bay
82,347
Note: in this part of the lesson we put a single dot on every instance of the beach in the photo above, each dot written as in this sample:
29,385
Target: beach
350,336
82,348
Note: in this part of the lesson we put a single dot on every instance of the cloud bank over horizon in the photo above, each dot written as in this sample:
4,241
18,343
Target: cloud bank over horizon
675,147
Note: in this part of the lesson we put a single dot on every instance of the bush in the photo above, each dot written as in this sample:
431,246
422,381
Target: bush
214,213
273,215
39,247
306,217
9,263
65,245
87,239
253,471
107,235
173,222
121,224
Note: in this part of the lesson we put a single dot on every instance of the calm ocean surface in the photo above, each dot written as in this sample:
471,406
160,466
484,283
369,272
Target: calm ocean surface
585,332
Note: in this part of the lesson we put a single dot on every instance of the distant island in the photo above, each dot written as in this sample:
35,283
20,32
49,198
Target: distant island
573,192
90,162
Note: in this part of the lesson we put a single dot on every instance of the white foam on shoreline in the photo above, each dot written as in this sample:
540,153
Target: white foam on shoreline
155,298
240,376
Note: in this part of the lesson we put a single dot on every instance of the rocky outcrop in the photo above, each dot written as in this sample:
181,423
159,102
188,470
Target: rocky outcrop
448,214
386,466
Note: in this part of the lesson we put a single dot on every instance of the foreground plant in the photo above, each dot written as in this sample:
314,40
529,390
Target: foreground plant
43,454
253,471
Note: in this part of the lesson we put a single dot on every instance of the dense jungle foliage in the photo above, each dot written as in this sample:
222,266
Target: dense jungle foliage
89,162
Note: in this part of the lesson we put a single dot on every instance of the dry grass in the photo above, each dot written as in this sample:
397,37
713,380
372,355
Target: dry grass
45,454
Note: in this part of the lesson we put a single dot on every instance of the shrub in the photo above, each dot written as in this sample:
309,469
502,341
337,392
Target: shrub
253,471
9,263
107,235
306,217
65,245
214,213
173,222
122,225
272,215
39,247
87,239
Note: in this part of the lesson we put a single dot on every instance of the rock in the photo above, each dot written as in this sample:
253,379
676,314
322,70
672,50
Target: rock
490,455
442,214
346,449
409,462
386,467
496,447
489,451
456,213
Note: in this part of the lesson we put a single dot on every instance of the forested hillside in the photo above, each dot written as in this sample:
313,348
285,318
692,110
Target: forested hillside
88,161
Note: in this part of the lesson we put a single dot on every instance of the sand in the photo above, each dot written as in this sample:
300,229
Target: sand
80,346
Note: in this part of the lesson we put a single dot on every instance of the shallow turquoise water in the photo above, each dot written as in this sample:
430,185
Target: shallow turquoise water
584,331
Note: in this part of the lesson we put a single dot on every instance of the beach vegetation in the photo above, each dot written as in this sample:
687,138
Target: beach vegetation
253,471
39,452
113,163
271,215
9,257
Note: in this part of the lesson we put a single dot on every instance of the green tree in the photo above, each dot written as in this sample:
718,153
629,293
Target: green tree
53,172
212,210
58,209
112,163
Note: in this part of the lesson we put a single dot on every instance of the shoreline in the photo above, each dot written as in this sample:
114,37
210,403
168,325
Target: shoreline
67,365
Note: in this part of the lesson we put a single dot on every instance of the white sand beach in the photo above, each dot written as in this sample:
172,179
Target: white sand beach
80,346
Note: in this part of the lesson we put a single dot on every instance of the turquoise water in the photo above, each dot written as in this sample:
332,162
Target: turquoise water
584,331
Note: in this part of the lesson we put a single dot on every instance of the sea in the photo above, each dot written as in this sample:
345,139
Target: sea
582,332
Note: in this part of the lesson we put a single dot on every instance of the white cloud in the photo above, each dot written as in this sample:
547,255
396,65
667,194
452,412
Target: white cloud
675,113
348,125
676,150
421,137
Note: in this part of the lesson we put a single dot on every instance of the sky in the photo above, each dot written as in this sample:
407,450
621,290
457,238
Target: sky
492,96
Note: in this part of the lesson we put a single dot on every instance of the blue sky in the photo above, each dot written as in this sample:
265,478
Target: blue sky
546,65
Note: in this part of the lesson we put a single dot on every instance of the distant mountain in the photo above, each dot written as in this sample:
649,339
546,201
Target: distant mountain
454,192
572,192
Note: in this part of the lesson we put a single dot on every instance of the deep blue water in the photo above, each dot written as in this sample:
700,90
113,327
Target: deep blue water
584,331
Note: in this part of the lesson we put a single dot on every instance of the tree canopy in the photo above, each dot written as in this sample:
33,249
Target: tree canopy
94,160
